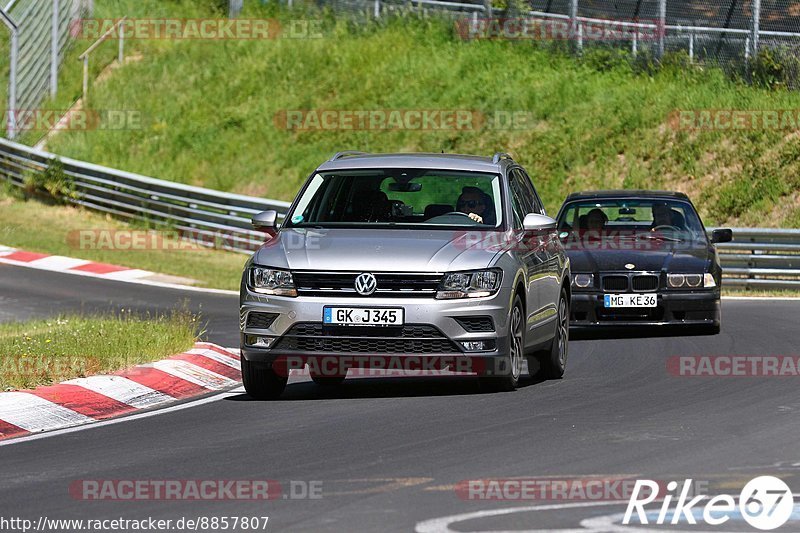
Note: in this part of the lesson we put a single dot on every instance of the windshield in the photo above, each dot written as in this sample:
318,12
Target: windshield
669,220
399,198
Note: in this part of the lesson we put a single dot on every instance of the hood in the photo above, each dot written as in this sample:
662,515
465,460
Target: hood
378,250
669,258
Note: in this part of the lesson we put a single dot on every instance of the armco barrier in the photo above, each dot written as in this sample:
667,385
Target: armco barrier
762,258
758,258
215,217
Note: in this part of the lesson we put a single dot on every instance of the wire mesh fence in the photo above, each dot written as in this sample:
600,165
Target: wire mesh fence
728,33
40,34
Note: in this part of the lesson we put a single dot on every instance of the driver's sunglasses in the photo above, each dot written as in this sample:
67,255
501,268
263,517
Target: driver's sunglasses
469,203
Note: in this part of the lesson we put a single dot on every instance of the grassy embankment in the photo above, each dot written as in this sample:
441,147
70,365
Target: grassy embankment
48,351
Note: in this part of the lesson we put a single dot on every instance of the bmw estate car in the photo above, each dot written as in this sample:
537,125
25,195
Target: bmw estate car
641,258
409,259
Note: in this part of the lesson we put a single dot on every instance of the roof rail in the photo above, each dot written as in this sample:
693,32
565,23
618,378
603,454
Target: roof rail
339,155
500,156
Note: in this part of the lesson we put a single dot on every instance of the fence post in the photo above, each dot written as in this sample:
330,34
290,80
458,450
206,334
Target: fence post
377,9
662,26
756,26
11,126
691,47
54,49
574,30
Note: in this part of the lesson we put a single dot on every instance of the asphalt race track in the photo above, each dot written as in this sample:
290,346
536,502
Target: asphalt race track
388,452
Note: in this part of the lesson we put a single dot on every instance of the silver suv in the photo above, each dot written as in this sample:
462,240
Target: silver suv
407,262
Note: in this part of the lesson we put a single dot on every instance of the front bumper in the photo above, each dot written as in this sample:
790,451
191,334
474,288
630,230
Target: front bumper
432,332
675,308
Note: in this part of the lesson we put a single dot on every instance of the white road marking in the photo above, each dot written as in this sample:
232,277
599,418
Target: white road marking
58,262
128,275
194,374
34,414
216,356
148,414
442,525
123,390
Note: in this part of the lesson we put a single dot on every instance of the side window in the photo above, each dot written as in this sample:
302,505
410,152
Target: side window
521,192
528,185
519,205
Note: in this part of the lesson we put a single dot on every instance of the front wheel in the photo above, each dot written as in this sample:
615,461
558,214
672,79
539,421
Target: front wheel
510,367
261,382
553,362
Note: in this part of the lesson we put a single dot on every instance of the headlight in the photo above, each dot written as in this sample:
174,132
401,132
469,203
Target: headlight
690,281
469,284
271,281
583,280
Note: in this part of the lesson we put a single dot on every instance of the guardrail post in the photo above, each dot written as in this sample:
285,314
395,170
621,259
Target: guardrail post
662,26
54,49
756,26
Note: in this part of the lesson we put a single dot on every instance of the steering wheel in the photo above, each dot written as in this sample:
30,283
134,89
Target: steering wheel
667,227
457,213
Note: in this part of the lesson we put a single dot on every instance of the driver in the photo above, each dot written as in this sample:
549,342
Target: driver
662,216
472,202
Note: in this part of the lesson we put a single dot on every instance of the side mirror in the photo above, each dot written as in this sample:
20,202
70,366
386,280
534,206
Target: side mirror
721,235
536,222
265,220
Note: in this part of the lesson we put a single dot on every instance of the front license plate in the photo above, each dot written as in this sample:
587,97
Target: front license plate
362,316
630,300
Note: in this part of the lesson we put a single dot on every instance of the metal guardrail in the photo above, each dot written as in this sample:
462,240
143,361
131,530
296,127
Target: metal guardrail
762,258
215,218
758,258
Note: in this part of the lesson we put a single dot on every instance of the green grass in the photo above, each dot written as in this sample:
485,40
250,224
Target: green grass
210,112
49,351
36,227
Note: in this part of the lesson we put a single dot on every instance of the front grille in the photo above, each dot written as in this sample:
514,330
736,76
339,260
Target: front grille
389,284
476,324
615,283
260,320
645,283
312,337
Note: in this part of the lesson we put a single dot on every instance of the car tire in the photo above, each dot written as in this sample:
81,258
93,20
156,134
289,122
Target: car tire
262,382
553,362
328,381
512,365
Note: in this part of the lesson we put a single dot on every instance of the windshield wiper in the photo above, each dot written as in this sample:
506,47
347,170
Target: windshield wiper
662,238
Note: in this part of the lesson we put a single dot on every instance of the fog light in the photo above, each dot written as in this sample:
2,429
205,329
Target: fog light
259,341
478,346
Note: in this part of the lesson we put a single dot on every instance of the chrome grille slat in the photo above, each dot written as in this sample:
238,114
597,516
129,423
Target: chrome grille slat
404,285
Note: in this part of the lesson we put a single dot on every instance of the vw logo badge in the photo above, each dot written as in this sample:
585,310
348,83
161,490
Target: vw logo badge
630,266
366,284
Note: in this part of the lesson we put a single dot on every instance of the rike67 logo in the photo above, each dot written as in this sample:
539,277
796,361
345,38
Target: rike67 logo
765,503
